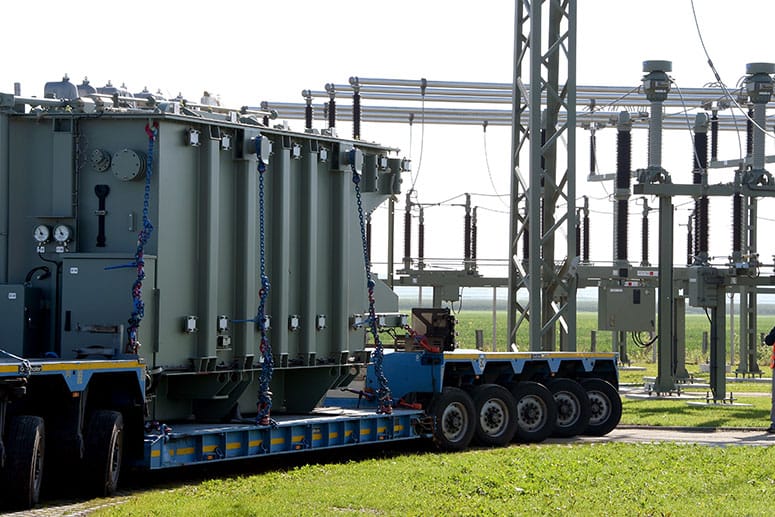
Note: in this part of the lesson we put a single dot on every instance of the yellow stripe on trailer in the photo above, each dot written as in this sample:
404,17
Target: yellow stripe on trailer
233,445
278,441
255,443
209,448
492,356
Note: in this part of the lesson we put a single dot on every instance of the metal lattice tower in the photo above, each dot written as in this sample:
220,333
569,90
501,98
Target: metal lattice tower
549,51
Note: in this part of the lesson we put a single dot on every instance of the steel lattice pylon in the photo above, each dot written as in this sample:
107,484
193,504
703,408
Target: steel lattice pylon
544,206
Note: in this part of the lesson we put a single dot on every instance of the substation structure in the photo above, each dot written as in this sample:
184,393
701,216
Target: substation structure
634,297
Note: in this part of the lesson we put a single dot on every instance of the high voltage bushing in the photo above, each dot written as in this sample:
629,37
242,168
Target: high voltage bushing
700,161
737,226
622,193
644,261
331,105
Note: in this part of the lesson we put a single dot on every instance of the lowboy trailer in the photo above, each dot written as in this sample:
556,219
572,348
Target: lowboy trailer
137,236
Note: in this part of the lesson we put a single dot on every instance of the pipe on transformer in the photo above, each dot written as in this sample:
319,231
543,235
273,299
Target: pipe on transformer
309,213
247,261
209,248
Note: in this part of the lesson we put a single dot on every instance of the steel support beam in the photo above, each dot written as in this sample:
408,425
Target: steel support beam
551,207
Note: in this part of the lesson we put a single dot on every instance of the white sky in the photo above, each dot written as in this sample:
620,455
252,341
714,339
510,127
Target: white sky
253,51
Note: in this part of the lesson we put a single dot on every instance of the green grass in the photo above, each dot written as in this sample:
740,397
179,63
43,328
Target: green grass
605,479
592,479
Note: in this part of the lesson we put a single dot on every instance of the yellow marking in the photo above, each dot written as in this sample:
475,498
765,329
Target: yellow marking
397,428
278,441
333,435
184,450
67,366
297,439
255,443
366,431
155,454
209,448
230,446
55,367
381,429
493,356
348,433
317,436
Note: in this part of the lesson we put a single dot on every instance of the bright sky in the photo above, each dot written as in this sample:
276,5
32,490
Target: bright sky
249,52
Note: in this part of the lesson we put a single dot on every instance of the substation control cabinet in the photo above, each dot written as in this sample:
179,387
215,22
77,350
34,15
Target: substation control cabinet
626,308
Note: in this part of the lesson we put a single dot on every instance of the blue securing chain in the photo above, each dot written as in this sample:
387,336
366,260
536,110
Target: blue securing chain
138,311
265,380
383,390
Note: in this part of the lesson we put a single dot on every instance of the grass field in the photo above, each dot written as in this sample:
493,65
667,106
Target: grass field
604,479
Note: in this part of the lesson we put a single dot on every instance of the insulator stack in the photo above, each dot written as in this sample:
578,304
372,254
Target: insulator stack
700,159
592,153
578,233
407,233
585,237
421,239
308,112
703,221
714,136
690,252
332,113
356,115
474,226
645,239
737,224
749,133
623,166
467,237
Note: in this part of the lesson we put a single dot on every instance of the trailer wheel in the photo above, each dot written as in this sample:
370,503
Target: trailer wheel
605,406
453,412
495,408
536,413
573,407
103,450
23,471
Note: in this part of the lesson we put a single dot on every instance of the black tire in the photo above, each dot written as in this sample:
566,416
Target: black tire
605,407
495,410
453,414
25,451
536,413
104,447
573,407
